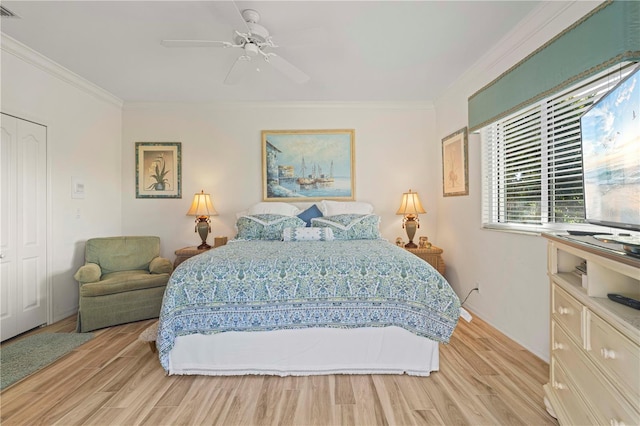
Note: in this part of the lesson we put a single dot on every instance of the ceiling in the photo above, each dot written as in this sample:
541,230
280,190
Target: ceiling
395,51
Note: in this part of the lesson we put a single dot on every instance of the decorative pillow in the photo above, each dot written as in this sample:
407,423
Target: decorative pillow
265,226
307,234
310,213
351,226
332,208
284,209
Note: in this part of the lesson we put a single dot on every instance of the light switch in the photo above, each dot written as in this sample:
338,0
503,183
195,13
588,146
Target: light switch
77,187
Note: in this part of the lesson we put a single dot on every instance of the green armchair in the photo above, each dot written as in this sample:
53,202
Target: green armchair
123,280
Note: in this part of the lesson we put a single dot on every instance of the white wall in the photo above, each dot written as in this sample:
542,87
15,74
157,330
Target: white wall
510,268
84,126
221,154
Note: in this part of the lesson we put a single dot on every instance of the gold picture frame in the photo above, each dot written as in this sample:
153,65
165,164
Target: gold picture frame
308,165
455,164
158,170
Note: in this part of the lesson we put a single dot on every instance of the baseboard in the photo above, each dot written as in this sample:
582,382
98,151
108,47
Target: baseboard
59,316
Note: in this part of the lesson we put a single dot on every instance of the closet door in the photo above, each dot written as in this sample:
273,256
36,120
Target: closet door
23,182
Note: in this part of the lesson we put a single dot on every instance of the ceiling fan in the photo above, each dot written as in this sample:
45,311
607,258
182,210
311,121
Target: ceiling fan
254,41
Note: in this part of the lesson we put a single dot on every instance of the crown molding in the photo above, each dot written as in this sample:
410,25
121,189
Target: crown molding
513,43
543,23
422,105
27,54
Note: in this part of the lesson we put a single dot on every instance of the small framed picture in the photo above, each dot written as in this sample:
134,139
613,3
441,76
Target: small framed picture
158,170
455,164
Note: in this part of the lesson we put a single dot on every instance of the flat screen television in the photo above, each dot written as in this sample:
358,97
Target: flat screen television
610,132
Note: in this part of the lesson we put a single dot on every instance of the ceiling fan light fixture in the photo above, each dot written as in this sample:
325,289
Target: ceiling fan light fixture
258,32
251,49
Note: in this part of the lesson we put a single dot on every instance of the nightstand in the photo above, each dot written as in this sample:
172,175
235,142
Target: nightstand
433,255
187,252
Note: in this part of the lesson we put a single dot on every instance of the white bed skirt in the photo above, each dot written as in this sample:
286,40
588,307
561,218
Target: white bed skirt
388,350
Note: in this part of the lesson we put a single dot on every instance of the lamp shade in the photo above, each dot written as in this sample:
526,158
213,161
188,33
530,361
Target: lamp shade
410,204
202,206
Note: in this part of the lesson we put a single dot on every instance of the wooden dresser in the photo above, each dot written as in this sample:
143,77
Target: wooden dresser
595,342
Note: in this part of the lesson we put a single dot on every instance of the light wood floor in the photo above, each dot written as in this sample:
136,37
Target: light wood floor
484,379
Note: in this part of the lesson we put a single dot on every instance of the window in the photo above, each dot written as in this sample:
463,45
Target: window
532,160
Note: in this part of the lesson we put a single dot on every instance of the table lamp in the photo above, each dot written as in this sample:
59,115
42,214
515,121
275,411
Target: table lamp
202,208
410,207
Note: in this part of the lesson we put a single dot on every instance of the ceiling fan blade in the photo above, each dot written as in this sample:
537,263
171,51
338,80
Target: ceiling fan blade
288,69
230,13
195,43
238,70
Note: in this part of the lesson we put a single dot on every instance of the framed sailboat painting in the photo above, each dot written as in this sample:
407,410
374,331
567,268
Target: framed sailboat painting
308,165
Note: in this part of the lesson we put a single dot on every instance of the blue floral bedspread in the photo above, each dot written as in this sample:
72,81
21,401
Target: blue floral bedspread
269,285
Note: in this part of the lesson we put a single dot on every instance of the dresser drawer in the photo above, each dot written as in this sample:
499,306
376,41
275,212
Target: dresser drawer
568,312
617,355
606,402
562,347
572,405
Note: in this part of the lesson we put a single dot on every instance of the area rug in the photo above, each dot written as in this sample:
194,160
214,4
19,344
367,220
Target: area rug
28,355
149,335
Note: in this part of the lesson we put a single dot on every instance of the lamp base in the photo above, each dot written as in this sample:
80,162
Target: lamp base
411,224
202,228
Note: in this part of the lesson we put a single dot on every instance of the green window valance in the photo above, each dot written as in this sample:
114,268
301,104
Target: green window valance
608,35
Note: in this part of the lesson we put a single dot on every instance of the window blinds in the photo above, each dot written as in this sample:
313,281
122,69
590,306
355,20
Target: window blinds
532,160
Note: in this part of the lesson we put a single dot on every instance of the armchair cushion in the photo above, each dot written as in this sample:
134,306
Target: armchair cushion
123,281
88,273
160,265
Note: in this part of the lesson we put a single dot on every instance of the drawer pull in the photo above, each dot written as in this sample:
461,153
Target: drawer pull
559,386
564,311
608,353
614,422
558,346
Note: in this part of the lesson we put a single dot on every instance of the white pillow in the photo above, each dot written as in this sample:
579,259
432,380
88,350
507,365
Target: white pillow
332,208
284,209
307,234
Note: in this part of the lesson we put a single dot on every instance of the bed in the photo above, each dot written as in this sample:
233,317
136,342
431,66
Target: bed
333,300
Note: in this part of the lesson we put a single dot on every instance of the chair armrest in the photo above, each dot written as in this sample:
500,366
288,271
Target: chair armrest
88,273
160,265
